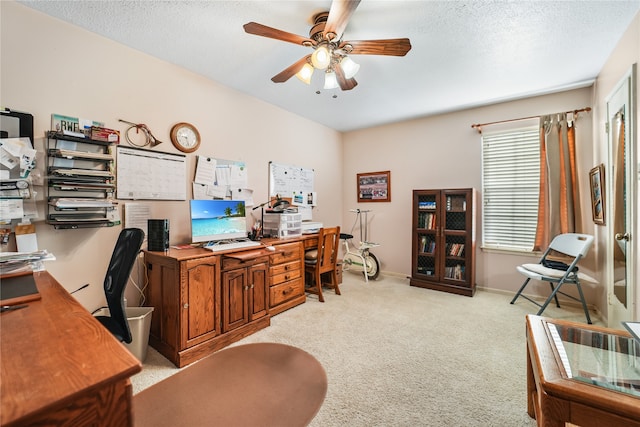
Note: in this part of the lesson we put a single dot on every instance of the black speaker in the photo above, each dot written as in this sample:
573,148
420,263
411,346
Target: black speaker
158,234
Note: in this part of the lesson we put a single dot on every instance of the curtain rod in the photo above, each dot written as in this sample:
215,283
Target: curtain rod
479,125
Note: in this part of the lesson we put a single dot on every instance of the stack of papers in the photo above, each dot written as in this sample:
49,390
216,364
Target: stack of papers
87,172
16,262
83,154
66,203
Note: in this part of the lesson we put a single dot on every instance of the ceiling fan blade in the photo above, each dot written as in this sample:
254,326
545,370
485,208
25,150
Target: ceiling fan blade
345,83
291,70
392,47
339,15
274,33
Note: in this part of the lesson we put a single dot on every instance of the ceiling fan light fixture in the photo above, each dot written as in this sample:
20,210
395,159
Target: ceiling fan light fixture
349,67
330,80
321,58
305,73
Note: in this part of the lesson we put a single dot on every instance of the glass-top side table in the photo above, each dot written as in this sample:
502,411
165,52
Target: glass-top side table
582,374
603,359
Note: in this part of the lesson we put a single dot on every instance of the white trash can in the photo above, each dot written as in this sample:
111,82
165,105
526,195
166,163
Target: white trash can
139,319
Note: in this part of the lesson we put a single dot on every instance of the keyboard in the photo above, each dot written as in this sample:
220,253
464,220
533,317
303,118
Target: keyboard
232,245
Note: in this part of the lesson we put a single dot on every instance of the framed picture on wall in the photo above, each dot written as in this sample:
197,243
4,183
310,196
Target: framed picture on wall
374,187
596,180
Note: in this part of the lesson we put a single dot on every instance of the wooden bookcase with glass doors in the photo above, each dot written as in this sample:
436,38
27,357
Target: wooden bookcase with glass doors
443,239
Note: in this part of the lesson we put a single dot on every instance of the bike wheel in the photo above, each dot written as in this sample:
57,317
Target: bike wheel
373,266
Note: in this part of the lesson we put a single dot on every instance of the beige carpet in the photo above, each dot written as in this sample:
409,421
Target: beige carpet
397,355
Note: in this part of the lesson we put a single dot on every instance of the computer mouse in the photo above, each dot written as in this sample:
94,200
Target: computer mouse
270,248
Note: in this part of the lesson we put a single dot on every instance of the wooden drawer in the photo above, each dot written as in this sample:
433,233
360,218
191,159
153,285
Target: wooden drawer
287,252
229,263
284,268
276,279
285,291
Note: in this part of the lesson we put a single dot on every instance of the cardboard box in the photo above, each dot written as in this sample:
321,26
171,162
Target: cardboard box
104,134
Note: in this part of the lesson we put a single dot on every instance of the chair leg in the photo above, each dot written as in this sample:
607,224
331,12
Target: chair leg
318,280
584,304
334,279
554,294
556,297
520,291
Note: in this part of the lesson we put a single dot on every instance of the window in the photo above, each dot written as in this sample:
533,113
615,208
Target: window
510,183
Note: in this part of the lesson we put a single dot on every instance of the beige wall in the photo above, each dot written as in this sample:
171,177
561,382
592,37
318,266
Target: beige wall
445,152
106,81
52,67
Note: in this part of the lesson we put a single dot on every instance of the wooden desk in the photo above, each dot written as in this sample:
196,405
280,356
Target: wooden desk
60,366
554,397
203,301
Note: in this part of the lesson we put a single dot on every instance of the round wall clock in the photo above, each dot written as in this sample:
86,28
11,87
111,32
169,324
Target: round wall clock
185,137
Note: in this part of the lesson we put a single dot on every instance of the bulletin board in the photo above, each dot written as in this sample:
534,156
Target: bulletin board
150,175
221,179
287,180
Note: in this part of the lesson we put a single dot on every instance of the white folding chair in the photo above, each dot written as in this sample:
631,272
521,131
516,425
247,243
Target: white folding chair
573,245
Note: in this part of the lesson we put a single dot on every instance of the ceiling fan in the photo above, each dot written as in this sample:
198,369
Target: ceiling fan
330,52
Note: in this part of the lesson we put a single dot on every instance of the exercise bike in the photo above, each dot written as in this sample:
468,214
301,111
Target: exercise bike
360,256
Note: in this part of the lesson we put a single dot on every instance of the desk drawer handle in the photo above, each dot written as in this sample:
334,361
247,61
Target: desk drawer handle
286,277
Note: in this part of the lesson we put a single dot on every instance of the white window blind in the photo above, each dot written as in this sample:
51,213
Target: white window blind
510,182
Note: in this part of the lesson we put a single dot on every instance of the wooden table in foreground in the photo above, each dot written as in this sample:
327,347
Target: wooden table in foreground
60,366
581,374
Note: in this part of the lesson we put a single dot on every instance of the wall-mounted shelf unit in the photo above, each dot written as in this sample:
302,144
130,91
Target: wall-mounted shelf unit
443,237
80,182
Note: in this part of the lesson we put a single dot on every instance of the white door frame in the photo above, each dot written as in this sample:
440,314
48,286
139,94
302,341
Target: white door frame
623,94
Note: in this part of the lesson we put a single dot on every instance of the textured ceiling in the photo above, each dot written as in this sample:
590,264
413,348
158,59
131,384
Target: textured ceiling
464,53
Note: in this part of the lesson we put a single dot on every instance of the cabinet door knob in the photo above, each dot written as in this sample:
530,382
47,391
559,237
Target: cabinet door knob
186,305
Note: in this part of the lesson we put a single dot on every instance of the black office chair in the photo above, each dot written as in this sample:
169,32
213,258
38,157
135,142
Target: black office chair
122,260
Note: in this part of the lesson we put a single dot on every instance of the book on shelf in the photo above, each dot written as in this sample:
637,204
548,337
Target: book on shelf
456,203
427,247
456,272
427,220
427,205
455,249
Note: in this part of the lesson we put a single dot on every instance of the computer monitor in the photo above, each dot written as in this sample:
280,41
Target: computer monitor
214,220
